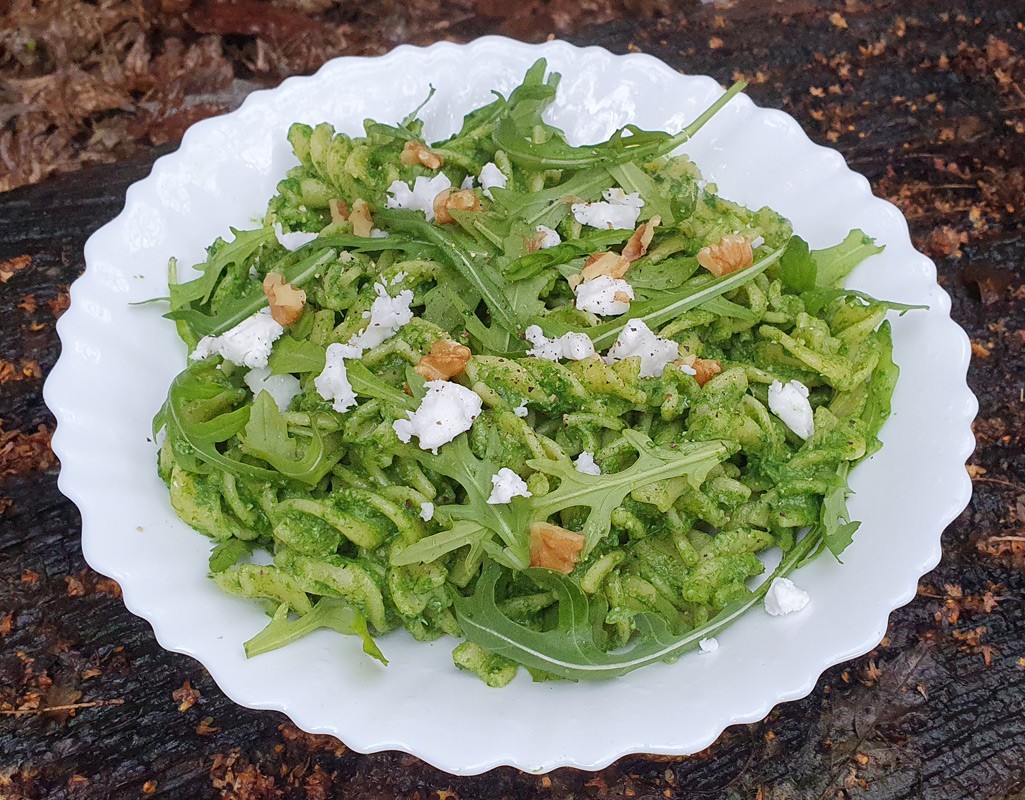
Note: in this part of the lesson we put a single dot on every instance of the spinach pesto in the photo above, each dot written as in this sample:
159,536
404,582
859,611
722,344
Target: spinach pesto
552,400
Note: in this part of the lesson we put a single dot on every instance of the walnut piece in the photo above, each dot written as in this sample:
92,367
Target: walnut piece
614,265
732,253
704,368
446,360
360,218
637,245
598,264
553,547
416,153
286,301
458,200
339,211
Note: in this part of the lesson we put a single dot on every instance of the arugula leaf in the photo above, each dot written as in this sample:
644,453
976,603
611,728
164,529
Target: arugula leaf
314,257
631,178
508,521
540,207
657,312
796,266
725,308
180,426
837,529
228,553
802,269
651,277
604,493
517,134
366,384
534,263
817,299
880,388
292,355
835,263
236,251
431,548
327,613
414,224
575,647
266,437
531,264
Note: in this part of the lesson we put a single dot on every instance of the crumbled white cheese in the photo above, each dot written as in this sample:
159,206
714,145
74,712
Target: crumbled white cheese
784,598
790,404
427,511
598,296
506,485
377,233
333,383
491,177
468,182
293,240
521,410
399,278
687,369
386,315
549,237
446,411
619,210
282,388
708,645
637,339
585,464
248,344
420,197
571,346
758,241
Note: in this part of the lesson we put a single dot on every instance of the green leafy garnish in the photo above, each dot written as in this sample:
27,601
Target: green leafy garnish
327,613
576,647
602,494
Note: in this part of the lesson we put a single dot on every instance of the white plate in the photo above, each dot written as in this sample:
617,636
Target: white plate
117,362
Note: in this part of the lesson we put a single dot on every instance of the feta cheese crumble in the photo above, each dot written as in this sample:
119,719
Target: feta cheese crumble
420,197
333,383
708,645
637,339
282,388
446,411
248,344
492,177
605,296
784,598
618,211
427,511
468,182
585,464
294,240
790,404
507,485
521,410
549,237
386,315
571,346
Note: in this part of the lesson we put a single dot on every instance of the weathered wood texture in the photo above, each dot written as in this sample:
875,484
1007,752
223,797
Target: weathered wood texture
928,102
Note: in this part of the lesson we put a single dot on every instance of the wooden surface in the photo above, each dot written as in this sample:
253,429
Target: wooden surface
929,104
